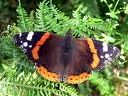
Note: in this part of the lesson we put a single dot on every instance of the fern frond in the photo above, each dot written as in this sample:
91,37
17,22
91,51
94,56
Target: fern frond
48,18
105,87
19,78
18,75
24,21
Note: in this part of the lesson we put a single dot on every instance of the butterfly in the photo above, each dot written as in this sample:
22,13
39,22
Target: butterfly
65,58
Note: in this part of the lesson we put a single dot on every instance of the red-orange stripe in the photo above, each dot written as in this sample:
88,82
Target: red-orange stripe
39,44
48,75
78,79
93,50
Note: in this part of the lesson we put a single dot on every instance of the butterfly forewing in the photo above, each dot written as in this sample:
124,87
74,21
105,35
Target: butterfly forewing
27,41
106,52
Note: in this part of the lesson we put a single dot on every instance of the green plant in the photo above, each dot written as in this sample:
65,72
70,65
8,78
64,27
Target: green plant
19,78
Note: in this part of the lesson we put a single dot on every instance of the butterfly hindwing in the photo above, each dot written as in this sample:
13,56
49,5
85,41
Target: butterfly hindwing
78,68
65,59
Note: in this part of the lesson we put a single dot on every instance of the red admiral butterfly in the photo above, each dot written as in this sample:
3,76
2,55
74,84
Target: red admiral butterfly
66,59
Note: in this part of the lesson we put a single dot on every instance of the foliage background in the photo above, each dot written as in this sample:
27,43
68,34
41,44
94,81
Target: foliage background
105,20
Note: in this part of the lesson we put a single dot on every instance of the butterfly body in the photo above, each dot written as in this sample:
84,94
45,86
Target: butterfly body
66,59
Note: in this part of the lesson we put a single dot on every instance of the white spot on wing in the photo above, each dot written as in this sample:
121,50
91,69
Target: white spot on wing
20,34
105,47
24,50
110,54
107,56
114,48
101,56
106,61
25,44
109,59
30,46
29,37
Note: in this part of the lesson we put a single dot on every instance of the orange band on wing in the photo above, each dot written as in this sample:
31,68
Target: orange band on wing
48,75
93,50
39,44
78,79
